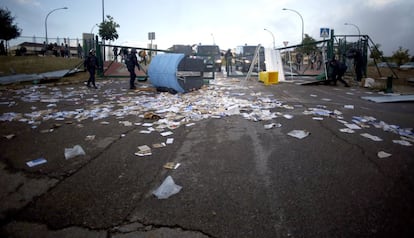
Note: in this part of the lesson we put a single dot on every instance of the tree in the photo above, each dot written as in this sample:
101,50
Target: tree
376,53
309,45
107,29
401,56
8,30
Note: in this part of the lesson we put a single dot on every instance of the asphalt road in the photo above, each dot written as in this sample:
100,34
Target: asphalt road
238,178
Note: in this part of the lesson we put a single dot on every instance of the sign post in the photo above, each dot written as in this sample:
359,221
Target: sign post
151,37
324,32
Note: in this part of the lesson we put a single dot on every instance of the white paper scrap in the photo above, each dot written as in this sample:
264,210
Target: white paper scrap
271,125
36,162
347,130
402,142
383,154
349,106
167,133
169,141
300,134
352,126
317,118
287,116
369,136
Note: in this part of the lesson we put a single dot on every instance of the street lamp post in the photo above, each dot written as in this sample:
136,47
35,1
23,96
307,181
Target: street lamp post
214,41
47,17
350,24
287,9
272,37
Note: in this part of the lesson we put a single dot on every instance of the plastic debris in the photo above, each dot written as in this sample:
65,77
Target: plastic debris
36,162
73,152
167,189
402,142
383,154
372,137
300,134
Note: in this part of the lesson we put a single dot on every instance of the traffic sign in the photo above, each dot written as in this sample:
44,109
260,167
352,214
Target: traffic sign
324,32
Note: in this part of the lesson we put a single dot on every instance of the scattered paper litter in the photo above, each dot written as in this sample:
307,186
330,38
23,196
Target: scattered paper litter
126,123
347,130
166,133
10,136
326,99
104,123
349,106
300,134
171,165
190,124
369,136
317,118
169,141
159,145
73,152
402,142
90,137
287,116
352,126
144,150
147,124
383,154
271,125
167,189
36,162
144,131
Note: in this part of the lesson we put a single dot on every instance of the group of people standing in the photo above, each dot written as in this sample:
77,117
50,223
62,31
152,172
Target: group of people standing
130,59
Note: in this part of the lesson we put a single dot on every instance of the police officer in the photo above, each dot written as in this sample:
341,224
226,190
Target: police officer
131,62
91,63
336,71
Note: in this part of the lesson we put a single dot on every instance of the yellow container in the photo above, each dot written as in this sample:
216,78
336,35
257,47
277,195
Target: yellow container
273,78
263,76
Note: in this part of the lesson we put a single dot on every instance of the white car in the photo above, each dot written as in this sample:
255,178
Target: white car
406,66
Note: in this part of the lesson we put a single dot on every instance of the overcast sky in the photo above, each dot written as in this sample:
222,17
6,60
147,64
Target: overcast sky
228,23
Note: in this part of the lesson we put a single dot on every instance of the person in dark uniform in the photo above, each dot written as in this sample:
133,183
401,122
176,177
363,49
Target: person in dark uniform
358,62
91,63
131,62
229,57
336,71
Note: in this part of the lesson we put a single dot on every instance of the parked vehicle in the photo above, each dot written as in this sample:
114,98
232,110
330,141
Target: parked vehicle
211,56
387,64
406,66
183,49
244,57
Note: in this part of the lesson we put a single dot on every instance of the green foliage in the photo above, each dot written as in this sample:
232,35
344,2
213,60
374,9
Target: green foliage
376,53
107,29
309,45
8,30
401,56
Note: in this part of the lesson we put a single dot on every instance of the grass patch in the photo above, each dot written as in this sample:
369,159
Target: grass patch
35,64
